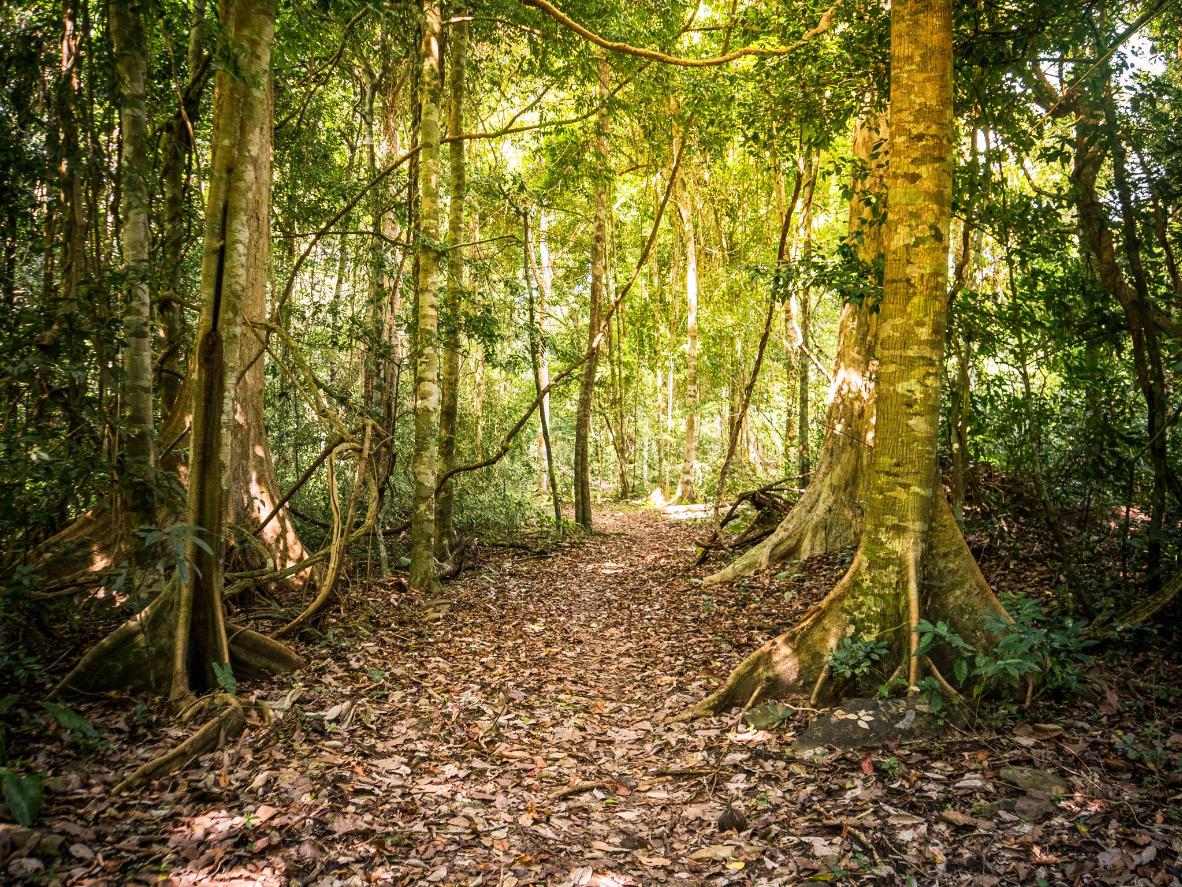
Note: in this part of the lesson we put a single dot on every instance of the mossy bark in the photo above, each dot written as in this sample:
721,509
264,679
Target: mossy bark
427,393
454,293
137,457
912,560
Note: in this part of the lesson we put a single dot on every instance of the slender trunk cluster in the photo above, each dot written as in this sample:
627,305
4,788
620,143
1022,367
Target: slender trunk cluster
179,644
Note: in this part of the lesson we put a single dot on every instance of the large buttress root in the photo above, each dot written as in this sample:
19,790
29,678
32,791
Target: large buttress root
137,656
795,664
791,664
827,517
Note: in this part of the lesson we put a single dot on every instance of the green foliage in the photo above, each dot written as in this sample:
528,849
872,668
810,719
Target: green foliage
76,727
225,677
1053,656
23,794
171,542
856,656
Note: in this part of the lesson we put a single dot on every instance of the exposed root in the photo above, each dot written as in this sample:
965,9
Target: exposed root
227,724
1143,612
138,654
952,692
947,586
826,518
784,666
341,535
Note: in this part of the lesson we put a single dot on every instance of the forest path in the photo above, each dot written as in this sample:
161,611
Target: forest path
516,730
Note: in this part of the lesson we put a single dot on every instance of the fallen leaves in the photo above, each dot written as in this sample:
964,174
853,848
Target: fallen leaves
521,736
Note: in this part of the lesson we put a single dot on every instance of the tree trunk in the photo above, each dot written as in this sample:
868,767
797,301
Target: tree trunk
545,274
685,487
582,466
540,380
138,450
427,394
911,551
177,151
829,514
1092,137
454,294
179,643
800,306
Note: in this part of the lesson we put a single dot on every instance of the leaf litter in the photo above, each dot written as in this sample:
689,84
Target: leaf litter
522,735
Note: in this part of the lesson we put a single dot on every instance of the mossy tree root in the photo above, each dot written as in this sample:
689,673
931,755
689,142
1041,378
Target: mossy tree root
226,724
796,663
138,655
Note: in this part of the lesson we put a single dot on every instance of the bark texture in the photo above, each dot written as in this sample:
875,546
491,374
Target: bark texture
912,560
427,394
454,294
138,445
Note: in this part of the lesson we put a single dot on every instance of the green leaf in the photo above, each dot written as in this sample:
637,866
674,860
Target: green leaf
70,720
225,676
23,795
961,670
8,702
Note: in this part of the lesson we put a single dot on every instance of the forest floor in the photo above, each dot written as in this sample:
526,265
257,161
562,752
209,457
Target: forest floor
517,730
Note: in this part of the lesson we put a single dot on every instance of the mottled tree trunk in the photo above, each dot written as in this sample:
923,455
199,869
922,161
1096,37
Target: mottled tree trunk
454,294
582,466
911,552
70,178
138,450
427,394
685,486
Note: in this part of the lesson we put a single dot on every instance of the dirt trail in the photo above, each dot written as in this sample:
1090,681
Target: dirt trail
516,731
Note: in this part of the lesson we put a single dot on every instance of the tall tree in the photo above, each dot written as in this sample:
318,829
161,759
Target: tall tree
457,49
427,395
595,333
911,560
685,486
138,450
